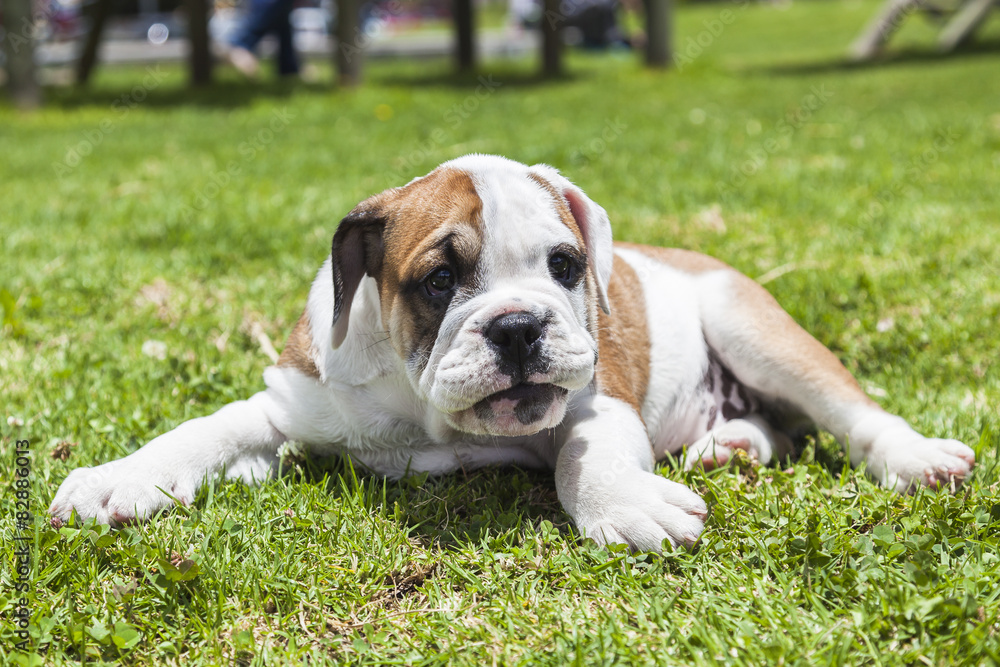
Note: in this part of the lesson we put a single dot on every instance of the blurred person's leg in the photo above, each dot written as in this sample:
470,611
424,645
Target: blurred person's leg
263,16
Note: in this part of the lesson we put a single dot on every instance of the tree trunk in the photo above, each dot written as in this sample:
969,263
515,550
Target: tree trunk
200,62
552,23
659,25
97,13
19,45
350,43
465,44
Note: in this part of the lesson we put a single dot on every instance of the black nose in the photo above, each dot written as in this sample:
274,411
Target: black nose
515,336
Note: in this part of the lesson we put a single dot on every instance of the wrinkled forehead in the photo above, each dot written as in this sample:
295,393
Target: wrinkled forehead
523,217
491,213
428,217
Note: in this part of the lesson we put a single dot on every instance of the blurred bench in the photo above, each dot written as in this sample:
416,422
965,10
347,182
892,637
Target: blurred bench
962,19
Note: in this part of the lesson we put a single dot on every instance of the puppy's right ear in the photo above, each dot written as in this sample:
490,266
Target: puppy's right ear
357,250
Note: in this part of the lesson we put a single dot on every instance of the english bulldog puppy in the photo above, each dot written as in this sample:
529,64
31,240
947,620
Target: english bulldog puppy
481,315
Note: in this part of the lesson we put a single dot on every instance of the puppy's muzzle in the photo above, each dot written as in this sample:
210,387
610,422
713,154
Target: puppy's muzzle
516,339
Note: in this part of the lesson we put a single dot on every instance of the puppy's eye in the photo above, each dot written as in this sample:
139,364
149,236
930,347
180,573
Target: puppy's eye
440,281
562,268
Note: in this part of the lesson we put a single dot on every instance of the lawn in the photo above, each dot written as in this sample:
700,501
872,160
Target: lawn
151,237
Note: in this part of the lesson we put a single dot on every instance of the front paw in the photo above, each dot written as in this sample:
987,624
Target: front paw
641,511
902,459
118,493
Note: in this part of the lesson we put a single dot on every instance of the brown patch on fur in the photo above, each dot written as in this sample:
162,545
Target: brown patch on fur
562,208
298,352
771,333
684,260
567,218
434,221
623,366
764,347
766,330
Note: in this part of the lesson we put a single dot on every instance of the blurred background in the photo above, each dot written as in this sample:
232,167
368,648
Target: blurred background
61,41
70,37
172,173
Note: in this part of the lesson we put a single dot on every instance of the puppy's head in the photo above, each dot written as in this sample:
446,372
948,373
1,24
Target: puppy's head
490,274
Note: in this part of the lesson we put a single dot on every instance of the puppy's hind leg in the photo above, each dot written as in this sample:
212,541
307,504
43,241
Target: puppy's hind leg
770,354
238,439
753,434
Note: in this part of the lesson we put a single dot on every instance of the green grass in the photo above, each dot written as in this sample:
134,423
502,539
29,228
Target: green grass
882,246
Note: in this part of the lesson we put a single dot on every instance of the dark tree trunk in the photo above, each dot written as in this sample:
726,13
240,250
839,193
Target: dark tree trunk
19,45
465,44
201,56
97,13
552,23
659,25
350,43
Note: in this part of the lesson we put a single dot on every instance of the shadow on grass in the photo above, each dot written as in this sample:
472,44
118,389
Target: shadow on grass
454,509
508,76
494,502
890,58
124,87
129,92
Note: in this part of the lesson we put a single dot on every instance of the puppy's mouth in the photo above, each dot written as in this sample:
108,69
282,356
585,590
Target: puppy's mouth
521,410
522,405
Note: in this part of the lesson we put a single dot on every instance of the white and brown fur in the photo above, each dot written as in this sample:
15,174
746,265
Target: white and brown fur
638,352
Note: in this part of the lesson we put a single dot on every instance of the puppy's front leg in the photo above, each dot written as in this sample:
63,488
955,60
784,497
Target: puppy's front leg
605,481
239,439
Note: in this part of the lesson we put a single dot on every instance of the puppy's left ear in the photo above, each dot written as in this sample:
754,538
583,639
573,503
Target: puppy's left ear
593,223
357,250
